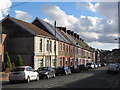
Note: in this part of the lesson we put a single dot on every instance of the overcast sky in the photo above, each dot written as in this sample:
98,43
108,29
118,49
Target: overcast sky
95,22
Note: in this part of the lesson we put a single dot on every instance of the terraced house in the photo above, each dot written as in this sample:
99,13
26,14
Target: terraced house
63,42
34,44
72,50
41,44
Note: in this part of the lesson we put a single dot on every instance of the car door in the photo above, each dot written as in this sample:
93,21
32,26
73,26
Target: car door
31,73
28,72
50,72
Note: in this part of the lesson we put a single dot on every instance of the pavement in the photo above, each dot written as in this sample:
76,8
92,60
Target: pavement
4,77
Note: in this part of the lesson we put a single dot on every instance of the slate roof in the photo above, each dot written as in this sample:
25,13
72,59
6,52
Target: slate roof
51,29
30,27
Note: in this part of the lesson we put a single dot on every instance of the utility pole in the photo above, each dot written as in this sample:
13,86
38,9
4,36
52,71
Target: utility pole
55,45
119,24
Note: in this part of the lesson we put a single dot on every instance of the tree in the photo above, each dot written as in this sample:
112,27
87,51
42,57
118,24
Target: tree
7,61
19,61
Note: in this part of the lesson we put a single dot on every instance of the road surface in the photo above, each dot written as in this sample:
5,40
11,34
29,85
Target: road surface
93,78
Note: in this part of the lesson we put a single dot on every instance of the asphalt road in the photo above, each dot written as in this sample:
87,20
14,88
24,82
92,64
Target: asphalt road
93,78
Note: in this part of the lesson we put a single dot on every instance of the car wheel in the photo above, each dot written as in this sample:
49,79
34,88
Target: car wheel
11,81
28,79
37,78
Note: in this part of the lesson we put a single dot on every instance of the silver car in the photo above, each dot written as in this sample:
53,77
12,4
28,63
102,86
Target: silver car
113,67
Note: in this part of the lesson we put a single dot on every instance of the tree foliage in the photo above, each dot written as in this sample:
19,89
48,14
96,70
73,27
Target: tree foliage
7,61
19,61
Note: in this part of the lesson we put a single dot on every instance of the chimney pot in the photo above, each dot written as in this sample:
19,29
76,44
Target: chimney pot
75,35
68,31
62,28
78,37
72,33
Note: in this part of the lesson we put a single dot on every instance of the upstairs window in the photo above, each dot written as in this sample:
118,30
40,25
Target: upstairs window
40,48
66,48
63,47
54,46
47,44
60,46
50,46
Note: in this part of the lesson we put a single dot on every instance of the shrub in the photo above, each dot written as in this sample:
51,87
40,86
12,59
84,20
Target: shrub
19,61
7,61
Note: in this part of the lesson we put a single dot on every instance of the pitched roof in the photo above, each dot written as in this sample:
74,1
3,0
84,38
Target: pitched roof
30,27
71,42
82,44
51,29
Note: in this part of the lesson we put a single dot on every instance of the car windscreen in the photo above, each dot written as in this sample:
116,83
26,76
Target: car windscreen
59,68
42,68
89,63
112,65
17,69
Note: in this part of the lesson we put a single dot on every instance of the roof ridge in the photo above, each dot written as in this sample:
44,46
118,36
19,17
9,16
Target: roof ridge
33,29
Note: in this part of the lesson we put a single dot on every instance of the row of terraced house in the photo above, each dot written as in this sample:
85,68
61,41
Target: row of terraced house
41,44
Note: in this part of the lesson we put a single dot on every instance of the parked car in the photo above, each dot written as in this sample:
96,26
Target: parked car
103,64
82,67
25,73
74,69
113,67
46,72
90,65
63,70
98,64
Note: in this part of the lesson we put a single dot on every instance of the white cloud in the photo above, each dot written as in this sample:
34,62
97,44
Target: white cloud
113,35
104,46
4,7
91,35
107,9
91,29
23,15
63,19
92,7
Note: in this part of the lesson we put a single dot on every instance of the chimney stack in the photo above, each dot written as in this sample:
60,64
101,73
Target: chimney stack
63,28
75,35
69,32
72,33
78,37
82,40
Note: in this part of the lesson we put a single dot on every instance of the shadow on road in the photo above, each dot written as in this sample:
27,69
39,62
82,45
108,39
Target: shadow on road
97,80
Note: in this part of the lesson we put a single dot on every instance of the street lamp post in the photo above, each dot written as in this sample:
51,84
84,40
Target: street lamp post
55,45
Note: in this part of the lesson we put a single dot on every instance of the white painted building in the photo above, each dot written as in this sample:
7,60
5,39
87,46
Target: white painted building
44,52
